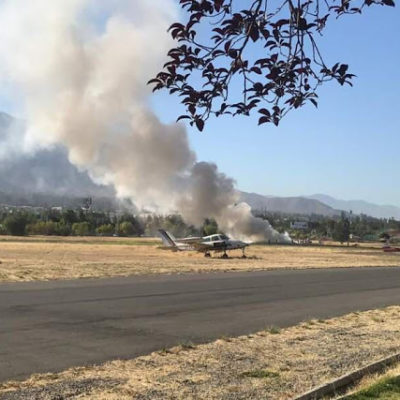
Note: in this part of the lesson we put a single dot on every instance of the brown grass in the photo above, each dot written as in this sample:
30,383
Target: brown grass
44,258
260,366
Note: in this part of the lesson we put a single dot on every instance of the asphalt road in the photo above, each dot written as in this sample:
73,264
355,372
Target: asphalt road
55,325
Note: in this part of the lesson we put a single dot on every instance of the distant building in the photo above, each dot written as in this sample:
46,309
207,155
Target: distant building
299,225
354,238
371,237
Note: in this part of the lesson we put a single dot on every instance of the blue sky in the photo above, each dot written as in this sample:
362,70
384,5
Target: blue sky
348,148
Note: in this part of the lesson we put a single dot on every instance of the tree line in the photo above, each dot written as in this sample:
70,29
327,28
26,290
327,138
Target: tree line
54,222
80,222
339,228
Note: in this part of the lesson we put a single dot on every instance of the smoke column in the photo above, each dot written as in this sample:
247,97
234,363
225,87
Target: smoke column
80,69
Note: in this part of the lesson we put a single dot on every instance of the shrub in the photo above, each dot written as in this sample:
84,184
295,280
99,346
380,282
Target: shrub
16,224
42,228
49,228
63,229
105,230
81,229
126,229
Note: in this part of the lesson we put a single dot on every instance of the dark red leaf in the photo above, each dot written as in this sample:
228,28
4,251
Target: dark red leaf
183,117
264,120
200,124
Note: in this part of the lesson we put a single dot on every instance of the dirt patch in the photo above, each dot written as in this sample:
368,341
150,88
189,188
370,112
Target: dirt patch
266,365
44,258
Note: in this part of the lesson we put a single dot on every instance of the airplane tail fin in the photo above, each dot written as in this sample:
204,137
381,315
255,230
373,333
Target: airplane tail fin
167,238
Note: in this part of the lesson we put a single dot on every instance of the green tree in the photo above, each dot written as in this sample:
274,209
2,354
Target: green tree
41,228
3,230
63,229
210,227
69,217
137,228
80,229
16,224
341,232
126,228
49,228
106,230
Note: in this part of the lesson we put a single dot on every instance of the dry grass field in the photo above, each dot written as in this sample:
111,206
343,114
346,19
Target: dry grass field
47,258
272,364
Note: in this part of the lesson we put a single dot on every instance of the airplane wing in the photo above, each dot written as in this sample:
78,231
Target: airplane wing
169,248
201,246
190,240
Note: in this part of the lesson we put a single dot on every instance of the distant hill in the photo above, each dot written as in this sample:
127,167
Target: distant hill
289,205
318,204
46,177
359,206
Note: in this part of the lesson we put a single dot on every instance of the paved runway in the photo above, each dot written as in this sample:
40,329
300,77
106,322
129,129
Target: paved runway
55,325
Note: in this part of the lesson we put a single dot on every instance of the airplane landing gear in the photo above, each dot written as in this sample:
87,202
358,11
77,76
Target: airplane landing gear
225,256
208,255
244,255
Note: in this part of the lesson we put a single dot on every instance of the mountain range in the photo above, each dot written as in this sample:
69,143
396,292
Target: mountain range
359,206
45,171
47,178
288,205
318,204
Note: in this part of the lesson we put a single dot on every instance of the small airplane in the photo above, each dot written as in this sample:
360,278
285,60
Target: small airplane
218,243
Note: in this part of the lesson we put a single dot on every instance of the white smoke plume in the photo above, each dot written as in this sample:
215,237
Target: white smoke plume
81,69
